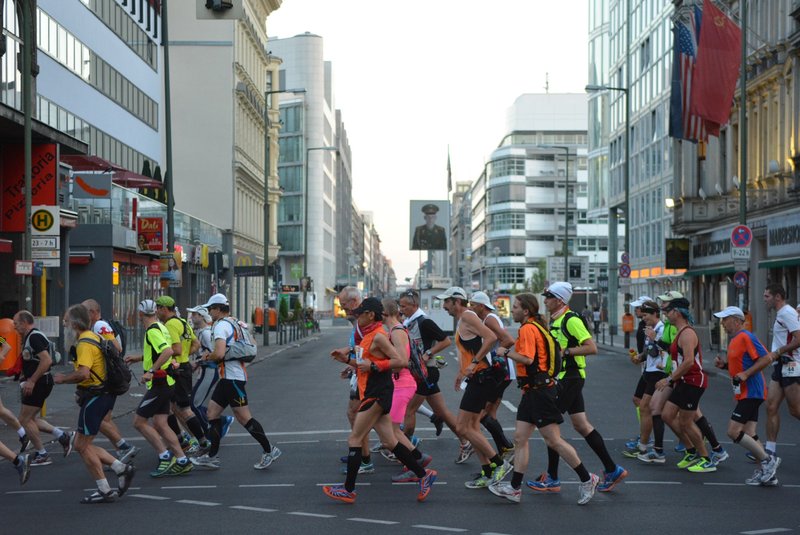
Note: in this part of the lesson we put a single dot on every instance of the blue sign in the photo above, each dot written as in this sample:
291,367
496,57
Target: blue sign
741,236
740,279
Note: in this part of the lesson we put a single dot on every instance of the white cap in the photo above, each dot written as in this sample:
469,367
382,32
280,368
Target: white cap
453,291
562,290
670,295
147,307
642,300
217,299
730,311
482,299
203,311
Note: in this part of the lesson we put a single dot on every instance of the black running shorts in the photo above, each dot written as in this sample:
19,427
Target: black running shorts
477,395
155,401
182,391
41,390
92,412
230,392
570,395
433,380
540,407
686,397
746,410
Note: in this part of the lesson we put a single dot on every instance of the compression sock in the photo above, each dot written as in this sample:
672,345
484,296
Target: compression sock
552,463
658,433
195,428
708,432
595,442
257,432
496,460
496,430
516,480
353,464
365,459
583,473
173,424
405,457
486,470
417,454
215,434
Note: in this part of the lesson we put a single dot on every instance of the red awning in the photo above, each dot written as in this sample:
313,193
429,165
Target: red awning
122,177
6,246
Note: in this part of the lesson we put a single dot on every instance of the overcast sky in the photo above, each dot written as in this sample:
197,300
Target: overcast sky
413,77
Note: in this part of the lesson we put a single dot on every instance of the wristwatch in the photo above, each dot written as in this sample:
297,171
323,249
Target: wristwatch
566,352
507,351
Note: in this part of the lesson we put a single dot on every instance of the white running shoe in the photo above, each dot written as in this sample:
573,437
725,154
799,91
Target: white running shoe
587,489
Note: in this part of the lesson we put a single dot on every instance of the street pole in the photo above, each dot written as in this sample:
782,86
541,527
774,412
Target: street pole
743,121
27,93
305,218
170,174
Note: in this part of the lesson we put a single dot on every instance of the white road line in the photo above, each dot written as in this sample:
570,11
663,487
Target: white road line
298,442
35,491
373,521
149,497
197,502
510,406
438,528
493,533
267,485
760,531
314,515
725,484
256,509
184,487
790,486
628,482
416,483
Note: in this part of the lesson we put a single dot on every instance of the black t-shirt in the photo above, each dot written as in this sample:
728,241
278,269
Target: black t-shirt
34,343
431,333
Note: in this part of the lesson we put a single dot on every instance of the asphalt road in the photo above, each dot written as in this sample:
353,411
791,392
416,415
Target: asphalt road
298,397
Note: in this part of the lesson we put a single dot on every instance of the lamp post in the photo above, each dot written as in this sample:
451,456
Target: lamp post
305,217
267,173
566,206
496,253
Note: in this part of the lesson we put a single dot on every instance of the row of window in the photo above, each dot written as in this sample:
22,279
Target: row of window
118,21
58,43
290,237
507,167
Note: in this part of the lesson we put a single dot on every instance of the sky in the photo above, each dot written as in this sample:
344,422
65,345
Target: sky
417,76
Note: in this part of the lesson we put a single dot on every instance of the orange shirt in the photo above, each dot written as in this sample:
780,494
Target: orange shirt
467,351
531,343
370,382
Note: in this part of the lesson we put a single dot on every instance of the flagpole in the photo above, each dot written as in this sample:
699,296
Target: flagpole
743,122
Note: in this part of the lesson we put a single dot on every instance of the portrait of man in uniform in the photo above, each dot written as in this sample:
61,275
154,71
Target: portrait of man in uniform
428,236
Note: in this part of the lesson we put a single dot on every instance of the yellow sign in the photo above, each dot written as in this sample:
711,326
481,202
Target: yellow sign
42,220
115,273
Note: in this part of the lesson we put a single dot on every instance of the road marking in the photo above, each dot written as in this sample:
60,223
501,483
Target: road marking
149,497
267,485
510,406
332,484
183,487
314,515
256,509
760,531
790,486
415,483
35,491
438,528
298,442
628,482
196,502
493,533
373,521
725,484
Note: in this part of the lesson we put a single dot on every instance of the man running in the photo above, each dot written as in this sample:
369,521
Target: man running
744,364
6,415
631,447
536,360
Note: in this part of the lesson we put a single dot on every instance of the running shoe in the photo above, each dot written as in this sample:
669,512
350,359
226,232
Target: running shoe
769,467
365,468
125,455
226,425
66,441
652,457
206,461
163,467
194,447
185,440
464,453
205,446
425,460
508,454
389,456
632,443
586,490
180,469
376,448
501,471
23,468
268,458
438,423
101,497
717,456
415,440
338,492
755,479
124,479
633,453
441,362
480,482
426,484
24,442
406,476
545,484
610,479
702,466
505,490
688,460
771,483
680,448
41,459
751,457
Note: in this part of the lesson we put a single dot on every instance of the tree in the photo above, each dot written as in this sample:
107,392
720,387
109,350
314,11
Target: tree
283,310
536,282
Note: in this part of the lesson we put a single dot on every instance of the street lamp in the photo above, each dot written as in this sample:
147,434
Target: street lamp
566,206
305,218
267,173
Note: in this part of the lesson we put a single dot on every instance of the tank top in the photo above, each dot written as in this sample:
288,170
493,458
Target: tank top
696,376
403,378
372,384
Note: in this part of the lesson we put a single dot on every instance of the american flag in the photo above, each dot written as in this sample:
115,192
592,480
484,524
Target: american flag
683,124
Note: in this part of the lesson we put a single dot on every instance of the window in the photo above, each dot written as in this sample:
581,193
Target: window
507,167
507,221
114,16
507,193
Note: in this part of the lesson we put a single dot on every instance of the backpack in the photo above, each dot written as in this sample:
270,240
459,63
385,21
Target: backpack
571,340
118,375
416,361
119,331
242,347
537,378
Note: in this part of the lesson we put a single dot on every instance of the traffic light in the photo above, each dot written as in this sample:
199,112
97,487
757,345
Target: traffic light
219,5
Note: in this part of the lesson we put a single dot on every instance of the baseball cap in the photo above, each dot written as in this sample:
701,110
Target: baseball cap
147,307
642,300
678,302
217,299
165,301
559,290
203,311
453,291
370,304
482,299
670,295
730,311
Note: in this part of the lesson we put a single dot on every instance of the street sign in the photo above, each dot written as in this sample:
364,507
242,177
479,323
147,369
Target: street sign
740,279
50,242
45,221
624,284
23,267
740,253
625,271
741,265
602,283
626,258
741,236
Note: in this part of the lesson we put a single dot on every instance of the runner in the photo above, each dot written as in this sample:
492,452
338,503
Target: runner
6,415
536,360
576,343
375,357
21,462
744,364
631,447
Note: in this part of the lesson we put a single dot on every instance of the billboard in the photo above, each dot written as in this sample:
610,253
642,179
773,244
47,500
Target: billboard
429,222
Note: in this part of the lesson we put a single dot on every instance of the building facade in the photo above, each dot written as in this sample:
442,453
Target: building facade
461,235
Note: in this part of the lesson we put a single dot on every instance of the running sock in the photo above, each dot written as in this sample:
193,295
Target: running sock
118,466
405,457
57,432
691,451
496,460
496,430
366,459
552,463
195,428
42,451
21,432
17,460
771,446
658,432
182,460
417,454
353,464
595,442
583,473
103,486
215,434
708,432
257,432
516,480
173,424
486,470
425,411
164,455
120,444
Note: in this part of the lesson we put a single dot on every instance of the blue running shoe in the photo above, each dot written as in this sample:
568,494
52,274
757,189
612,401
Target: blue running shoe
226,425
632,443
680,448
610,479
545,484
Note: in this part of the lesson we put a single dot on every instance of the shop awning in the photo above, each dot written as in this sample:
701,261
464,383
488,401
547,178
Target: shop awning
712,270
779,262
122,177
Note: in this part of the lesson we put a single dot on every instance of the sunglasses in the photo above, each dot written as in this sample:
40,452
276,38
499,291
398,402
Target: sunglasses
549,295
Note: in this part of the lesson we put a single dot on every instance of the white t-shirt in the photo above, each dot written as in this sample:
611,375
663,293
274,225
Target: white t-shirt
653,362
232,369
103,328
786,322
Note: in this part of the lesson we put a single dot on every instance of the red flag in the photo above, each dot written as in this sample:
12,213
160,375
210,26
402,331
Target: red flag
717,67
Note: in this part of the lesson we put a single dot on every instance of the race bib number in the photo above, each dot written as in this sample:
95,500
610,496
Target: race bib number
737,389
359,351
791,369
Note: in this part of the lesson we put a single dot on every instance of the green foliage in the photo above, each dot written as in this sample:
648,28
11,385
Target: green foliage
536,283
283,310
